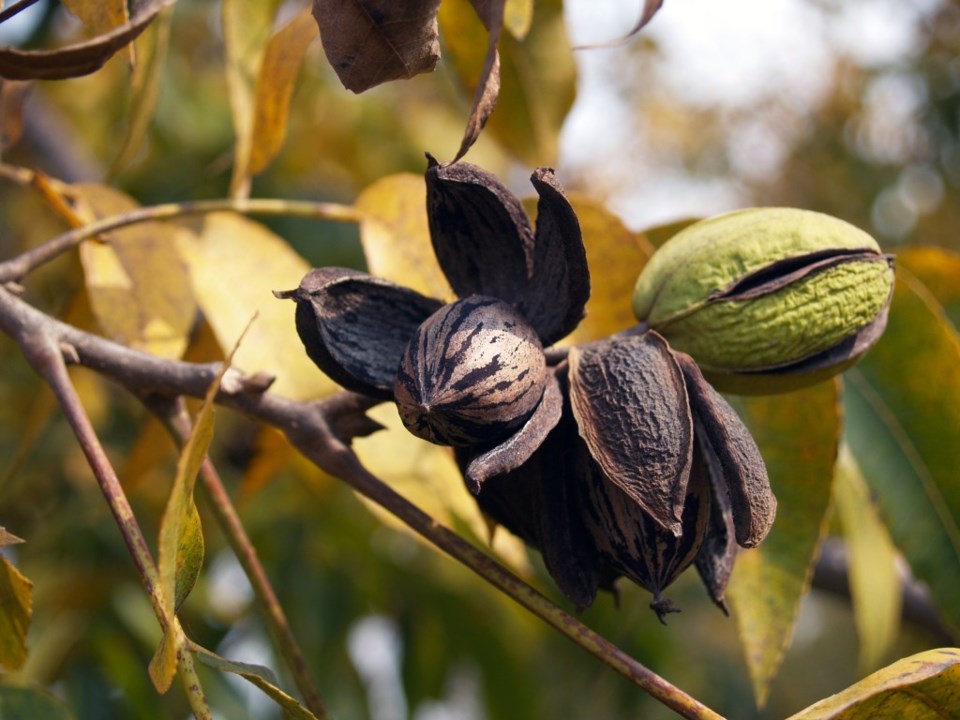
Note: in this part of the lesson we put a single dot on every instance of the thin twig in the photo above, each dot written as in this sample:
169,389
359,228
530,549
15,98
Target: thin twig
45,356
16,8
15,269
318,430
179,424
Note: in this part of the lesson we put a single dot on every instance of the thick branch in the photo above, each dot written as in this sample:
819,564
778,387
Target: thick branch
320,430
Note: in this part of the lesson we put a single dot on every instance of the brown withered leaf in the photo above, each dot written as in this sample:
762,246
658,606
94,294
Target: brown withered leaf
82,58
733,456
102,16
647,11
369,42
355,327
630,401
485,96
13,96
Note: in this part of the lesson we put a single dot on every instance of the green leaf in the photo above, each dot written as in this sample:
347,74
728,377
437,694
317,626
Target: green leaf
798,435
903,405
16,595
939,271
874,581
258,675
30,703
395,235
537,77
926,685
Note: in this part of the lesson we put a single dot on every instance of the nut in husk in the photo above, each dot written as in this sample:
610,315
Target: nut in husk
768,299
472,374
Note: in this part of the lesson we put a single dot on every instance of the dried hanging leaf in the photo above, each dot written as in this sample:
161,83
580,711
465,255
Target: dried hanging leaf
16,593
485,96
8,538
282,58
82,58
136,282
13,95
631,405
647,11
258,675
369,42
395,235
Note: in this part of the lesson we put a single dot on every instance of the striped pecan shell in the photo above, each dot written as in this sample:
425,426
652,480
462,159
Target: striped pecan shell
472,374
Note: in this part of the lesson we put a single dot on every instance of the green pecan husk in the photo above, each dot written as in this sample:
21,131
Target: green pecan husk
768,299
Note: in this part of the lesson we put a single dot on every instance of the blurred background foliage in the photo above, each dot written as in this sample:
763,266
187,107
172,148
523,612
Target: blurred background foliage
851,108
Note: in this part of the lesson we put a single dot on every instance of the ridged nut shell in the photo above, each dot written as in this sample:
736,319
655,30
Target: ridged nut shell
472,374
767,299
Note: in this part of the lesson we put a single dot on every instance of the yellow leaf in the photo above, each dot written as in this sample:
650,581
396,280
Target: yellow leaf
163,664
246,28
427,475
926,685
615,257
16,594
874,582
517,17
235,264
136,283
281,60
101,16
260,676
395,235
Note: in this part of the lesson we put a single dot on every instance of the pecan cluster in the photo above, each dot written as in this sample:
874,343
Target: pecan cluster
616,460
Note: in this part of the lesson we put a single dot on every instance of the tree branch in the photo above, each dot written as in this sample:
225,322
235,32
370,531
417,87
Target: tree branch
320,430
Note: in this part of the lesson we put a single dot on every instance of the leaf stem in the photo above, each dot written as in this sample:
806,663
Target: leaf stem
178,421
46,357
15,269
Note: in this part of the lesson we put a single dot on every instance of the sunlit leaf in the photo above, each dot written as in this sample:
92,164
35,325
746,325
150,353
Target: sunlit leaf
395,235
517,17
136,283
258,675
537,77
427,475
181,546
145,86
926,685
798,435
16,593
235,265
246,29
487,89
903,405
939,271
874,581
369,42
282,58
82,58
615,257
29,703
101,16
